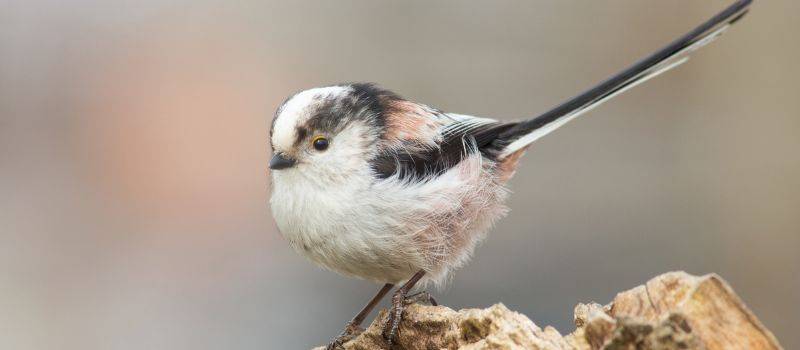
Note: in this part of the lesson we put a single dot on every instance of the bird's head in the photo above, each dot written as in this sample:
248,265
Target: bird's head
329,133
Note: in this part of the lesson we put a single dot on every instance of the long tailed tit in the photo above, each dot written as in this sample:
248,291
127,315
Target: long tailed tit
371,185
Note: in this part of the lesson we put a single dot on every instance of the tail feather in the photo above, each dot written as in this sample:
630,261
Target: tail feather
524,133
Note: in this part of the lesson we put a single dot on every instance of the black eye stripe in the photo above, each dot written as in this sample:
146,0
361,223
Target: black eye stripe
302,133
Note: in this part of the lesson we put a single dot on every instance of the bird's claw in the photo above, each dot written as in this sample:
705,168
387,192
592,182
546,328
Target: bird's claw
399,302
422,297
350,331
394,317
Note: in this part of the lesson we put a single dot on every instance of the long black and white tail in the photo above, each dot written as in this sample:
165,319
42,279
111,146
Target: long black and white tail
674,54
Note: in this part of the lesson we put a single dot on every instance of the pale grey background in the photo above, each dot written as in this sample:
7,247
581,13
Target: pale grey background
133,151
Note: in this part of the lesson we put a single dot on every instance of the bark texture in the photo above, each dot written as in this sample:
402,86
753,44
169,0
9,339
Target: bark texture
672,311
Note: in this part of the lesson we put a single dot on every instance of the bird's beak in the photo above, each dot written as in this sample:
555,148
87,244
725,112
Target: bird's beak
281,161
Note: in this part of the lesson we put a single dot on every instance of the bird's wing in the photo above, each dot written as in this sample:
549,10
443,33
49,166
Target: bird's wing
458,137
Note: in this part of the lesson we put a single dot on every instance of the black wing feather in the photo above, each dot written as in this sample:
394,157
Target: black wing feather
429,163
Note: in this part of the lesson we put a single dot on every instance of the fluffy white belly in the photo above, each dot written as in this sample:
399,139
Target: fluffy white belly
387,230
344,230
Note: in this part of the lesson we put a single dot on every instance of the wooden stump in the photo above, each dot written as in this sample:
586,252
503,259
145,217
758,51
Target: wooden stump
672,311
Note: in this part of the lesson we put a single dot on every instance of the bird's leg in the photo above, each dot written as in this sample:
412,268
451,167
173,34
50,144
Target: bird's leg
398,306
353,327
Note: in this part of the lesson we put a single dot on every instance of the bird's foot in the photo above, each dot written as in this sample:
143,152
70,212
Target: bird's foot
399,302
422,297
350,331
394,317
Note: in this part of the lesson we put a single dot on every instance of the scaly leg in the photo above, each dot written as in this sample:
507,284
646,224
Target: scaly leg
352,327
398,306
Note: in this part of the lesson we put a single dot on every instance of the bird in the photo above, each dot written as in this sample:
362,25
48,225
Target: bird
371,185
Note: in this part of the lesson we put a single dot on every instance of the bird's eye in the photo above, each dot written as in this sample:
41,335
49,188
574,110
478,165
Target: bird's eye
320,143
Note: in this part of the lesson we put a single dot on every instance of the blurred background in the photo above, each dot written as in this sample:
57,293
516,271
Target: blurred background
133,152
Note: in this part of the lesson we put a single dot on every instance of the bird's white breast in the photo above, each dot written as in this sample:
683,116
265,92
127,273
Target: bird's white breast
342,228
385,230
